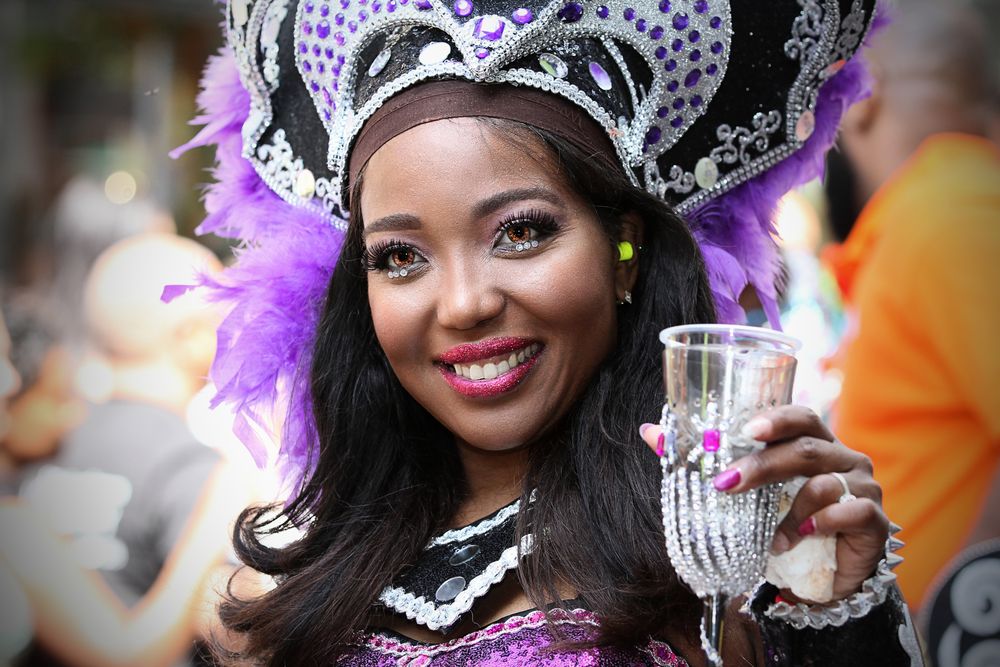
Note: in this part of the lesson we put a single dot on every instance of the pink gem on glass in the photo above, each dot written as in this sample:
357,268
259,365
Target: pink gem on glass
710,440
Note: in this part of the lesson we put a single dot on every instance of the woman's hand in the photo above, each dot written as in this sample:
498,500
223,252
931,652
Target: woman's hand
800,444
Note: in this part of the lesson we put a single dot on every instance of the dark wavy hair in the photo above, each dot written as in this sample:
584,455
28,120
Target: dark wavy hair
388,477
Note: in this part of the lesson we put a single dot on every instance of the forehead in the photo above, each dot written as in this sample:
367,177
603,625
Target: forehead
456,161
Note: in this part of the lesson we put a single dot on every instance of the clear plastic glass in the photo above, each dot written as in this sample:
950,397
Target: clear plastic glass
717,377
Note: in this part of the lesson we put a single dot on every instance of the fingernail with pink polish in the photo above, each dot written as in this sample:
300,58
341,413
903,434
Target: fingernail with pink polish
643,428
757,428
659,444
727,479
807,527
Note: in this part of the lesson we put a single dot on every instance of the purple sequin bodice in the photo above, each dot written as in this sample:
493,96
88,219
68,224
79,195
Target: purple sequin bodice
518,640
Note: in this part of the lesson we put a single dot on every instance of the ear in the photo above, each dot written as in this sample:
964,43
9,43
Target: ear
627,272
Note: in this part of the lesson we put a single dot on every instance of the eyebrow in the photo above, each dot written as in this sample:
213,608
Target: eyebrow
404,221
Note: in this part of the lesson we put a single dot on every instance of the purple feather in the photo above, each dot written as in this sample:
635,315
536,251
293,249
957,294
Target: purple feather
273,293
736,230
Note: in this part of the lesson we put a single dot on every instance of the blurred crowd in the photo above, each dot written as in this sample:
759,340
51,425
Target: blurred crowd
121,483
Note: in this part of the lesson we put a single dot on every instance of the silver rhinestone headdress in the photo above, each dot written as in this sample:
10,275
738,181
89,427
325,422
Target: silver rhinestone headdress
697,96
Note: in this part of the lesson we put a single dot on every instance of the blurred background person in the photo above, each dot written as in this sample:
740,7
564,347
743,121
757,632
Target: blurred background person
134,496
919,272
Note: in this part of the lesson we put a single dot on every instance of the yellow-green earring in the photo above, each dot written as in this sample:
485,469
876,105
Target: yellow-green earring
625,251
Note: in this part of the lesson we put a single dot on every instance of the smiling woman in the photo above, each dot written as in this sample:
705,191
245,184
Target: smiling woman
501,187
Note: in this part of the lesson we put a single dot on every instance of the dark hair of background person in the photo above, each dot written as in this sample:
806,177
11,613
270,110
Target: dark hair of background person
388,477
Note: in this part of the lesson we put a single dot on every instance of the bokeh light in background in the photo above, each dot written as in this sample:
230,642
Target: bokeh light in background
99,89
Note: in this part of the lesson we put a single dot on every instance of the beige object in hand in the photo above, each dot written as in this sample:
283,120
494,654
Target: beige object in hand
807,569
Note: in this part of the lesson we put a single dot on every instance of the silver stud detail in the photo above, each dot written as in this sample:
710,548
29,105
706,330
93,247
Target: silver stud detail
305,184
706,173
553,65
434,53
381,60
450,589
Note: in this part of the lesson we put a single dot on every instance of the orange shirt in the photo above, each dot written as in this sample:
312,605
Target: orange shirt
921,391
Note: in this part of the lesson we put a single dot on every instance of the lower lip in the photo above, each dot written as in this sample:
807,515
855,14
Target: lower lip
487,388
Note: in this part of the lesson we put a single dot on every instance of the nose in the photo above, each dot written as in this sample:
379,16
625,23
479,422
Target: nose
469,296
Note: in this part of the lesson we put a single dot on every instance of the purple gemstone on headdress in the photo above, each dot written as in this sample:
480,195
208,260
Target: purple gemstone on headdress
376,7
672,86
352,26
711,69
390,6
603,12
522,15
422,5
320,67
677,45
600,76
680,21
307,66
663,112
327,114
716,47
339,19
307,27
629,13
328,53
640,25
692,78
715,22
695,56
679,103
676,121
665,6
303,48
653,135
696,101
335,70
340,58
701,6
327,97
656,32
316,50
671,65
339,38
571,12
661,52
694,36
463,7
314,86
362,16
344,4
482,53
309,7
323,29
489,28
324,11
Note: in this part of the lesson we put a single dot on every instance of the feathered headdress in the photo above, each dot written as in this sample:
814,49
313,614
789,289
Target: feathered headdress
718,107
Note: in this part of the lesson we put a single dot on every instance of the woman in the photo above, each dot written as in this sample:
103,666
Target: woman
467,402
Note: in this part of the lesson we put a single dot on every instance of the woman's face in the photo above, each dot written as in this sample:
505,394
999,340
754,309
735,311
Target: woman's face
492,285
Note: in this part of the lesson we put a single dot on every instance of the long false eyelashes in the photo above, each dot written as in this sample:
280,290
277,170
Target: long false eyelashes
542,221
374,257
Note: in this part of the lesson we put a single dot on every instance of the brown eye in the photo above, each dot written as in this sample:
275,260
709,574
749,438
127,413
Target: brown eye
519,234
402,258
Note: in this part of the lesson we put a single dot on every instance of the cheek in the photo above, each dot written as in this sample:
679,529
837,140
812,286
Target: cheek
399,319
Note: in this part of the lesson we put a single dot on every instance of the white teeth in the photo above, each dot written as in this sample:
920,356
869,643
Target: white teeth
490,371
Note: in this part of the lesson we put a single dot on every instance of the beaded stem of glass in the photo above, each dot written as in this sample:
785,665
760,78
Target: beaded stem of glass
717,543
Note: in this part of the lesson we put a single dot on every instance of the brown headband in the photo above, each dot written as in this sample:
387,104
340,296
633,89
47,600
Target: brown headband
437,100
